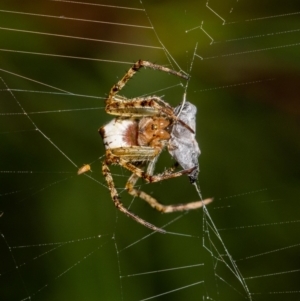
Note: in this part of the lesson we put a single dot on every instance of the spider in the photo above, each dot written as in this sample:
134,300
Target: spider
143,127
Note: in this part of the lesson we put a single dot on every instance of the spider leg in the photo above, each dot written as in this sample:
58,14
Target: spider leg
158,206
116,199
167,174
162,68
138,107
132,71
141,106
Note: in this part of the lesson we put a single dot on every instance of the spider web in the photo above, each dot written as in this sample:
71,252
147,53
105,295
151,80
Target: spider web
61,236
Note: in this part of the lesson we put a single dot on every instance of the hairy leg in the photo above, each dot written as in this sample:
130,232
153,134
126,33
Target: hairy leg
158,206
116,199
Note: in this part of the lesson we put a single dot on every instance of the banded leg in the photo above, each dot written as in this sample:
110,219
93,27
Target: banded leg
131,72
138,107
167,174
158,206
116,199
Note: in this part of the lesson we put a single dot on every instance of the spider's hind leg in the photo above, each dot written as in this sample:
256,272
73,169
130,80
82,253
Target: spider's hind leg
158,206
119,205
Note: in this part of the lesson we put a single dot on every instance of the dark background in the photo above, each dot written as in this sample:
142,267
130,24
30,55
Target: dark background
246,88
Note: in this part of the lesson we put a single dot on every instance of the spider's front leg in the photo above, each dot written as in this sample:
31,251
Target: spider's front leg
116,199
138,107
136,67
142,106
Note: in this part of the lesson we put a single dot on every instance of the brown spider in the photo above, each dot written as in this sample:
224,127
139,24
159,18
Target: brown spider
144,126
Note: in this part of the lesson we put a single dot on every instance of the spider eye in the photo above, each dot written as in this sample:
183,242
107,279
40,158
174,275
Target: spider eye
153,127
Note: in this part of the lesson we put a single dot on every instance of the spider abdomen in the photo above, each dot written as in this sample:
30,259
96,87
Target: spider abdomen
120,133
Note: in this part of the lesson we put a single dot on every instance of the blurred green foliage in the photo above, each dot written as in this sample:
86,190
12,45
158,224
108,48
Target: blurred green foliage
246,92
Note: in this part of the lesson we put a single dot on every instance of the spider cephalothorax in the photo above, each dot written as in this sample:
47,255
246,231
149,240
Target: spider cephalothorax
144,126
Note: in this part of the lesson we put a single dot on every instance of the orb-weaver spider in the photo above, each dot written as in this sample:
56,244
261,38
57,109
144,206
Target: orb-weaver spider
144,126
